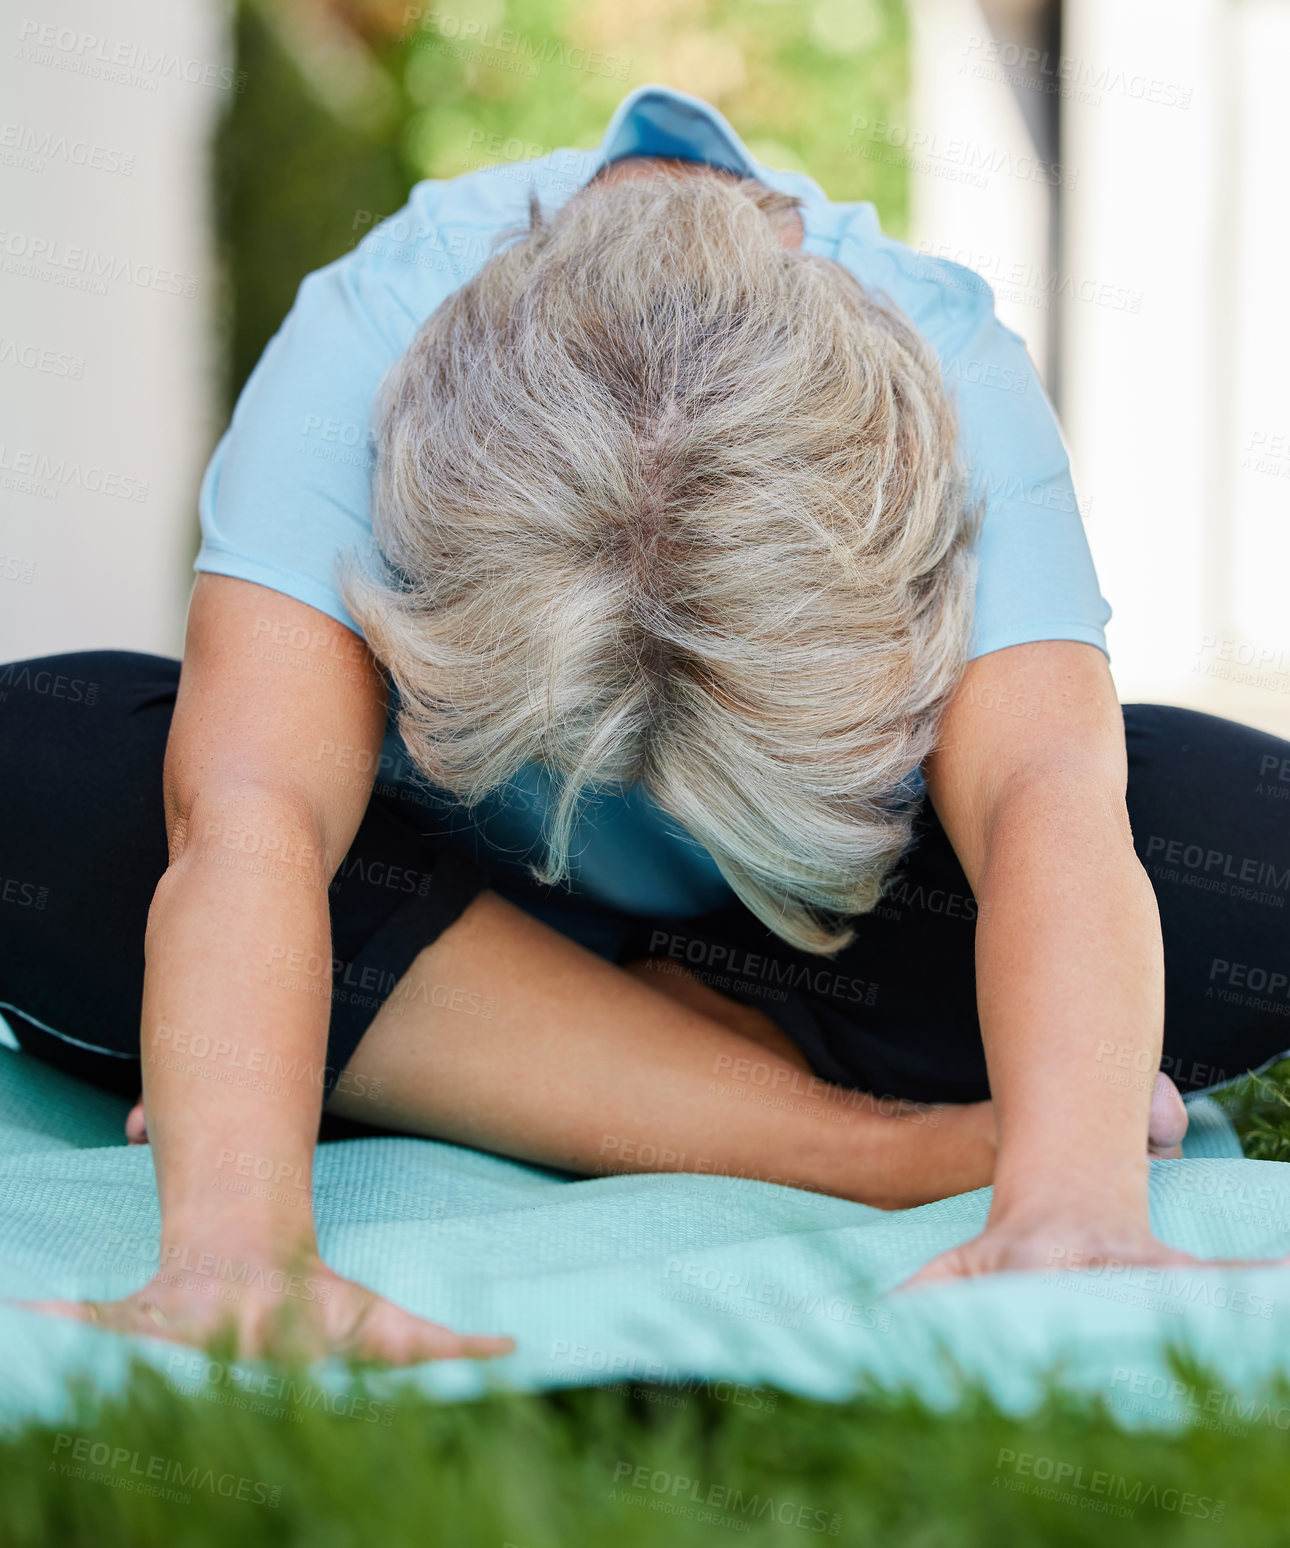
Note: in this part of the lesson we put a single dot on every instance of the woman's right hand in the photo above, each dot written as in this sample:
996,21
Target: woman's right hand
297,1310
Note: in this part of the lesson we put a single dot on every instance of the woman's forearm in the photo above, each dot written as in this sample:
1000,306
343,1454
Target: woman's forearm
233,1046
1069,963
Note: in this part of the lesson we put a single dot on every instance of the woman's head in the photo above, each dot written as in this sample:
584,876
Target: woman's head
665,502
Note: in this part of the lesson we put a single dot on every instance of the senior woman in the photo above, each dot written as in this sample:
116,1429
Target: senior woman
582,816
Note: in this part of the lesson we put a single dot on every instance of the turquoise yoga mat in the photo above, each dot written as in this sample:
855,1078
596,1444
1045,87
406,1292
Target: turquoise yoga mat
697,1280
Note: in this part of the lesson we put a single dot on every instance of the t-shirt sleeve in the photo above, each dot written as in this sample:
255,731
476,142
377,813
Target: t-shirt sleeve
1035,576
288,488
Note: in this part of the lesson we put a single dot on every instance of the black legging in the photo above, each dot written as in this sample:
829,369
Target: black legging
82,846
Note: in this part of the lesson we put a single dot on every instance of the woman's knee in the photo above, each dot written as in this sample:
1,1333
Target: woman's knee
83,738
82,839
82,749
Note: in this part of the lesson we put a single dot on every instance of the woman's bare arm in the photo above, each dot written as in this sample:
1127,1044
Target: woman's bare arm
233,1053
255,835
1029,781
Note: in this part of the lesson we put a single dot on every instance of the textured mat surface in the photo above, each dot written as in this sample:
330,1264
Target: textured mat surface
673,1278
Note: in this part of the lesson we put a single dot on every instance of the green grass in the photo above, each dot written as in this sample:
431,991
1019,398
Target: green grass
1259,1107
645,1465
601,1466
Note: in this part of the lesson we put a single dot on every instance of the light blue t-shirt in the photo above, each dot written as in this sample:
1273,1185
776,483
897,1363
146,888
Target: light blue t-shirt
287,489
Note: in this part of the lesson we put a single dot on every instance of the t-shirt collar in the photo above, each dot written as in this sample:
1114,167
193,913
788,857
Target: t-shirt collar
657,120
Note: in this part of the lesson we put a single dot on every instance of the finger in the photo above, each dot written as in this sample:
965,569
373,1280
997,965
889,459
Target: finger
79,1311
141,1317
945,1266
404,1339
485,1346
429,1341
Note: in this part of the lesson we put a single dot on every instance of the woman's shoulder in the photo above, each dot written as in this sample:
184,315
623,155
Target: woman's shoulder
288,488
948,301
404,264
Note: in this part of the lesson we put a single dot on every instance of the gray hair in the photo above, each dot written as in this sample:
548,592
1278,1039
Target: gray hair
662,501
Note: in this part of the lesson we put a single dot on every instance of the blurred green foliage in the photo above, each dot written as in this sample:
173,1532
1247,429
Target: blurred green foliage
1259,1106
347,103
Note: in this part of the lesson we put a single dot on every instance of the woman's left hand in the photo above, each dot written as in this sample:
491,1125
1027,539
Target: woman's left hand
1042,1242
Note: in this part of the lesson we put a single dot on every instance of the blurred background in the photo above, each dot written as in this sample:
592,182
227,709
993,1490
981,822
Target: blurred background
1117,172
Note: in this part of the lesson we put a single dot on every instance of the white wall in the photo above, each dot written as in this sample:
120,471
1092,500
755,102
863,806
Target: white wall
1174,310
107,292
1251,511
979,194
1180,418
1147,392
